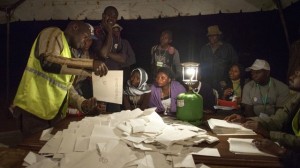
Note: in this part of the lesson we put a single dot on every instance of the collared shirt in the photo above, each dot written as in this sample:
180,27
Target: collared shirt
265,99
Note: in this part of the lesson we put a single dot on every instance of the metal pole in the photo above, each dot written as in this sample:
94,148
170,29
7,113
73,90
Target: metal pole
8,17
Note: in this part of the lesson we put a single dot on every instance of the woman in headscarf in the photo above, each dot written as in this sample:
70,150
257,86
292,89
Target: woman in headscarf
137,91
164,92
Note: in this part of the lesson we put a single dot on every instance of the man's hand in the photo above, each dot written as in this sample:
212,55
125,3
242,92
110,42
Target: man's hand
89,106
107,24
269,146
257,127
235,118
99,68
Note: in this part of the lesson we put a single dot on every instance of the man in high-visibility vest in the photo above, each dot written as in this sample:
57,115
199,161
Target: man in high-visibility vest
46,90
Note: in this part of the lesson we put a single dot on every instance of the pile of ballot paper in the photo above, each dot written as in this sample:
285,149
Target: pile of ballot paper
125,139
222,127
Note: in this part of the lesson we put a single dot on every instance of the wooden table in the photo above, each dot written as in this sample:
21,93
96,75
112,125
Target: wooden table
227,159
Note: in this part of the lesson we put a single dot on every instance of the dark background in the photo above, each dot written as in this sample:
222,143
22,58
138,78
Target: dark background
253,35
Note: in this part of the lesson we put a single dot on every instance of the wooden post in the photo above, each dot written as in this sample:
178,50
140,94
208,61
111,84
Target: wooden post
8,17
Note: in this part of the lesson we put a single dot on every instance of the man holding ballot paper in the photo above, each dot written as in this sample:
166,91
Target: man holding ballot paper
46,90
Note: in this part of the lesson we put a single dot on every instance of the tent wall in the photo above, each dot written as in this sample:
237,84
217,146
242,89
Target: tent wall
253,35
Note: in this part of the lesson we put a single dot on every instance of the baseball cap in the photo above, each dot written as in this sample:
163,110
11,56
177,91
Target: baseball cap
117,26
258,65
92,31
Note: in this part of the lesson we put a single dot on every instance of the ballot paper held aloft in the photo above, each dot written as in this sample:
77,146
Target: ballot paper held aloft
109,88
222,127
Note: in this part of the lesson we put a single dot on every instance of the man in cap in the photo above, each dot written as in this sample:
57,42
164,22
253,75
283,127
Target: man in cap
263,94
282,127
216,57
45,90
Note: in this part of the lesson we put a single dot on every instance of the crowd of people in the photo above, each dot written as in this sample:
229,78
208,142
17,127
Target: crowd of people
59,68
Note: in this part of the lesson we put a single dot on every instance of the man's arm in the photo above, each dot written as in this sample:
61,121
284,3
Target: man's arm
117,57
74,66
129,52
176,62
248,111
247,102
103,47
275,122
49,46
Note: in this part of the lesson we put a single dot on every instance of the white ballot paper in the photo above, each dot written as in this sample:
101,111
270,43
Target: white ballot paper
109,88
244,146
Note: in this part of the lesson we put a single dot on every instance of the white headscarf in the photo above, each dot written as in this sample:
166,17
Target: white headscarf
142,87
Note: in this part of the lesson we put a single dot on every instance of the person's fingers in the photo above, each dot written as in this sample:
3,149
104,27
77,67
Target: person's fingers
250,125
257,142
101,70
232,118
104,70
229,118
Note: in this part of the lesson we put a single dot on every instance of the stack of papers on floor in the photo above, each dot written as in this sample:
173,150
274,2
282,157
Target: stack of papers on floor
222,127
245,146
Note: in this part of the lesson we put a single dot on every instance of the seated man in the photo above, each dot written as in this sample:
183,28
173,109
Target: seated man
282,127
263,94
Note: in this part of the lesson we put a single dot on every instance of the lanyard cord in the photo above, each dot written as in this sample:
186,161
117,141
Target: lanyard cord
160,53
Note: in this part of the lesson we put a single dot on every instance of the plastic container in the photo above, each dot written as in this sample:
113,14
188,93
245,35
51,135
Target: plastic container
190,107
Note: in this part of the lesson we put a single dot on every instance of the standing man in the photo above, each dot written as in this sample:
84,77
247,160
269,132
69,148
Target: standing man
215,57
165,55
123,46
46,87
103,47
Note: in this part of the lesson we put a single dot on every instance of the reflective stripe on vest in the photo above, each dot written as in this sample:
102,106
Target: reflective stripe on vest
43,75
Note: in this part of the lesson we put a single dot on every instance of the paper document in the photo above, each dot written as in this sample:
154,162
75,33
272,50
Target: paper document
244,146
109,88
222,127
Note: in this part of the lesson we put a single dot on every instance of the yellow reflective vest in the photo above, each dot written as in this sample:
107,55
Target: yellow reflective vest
41,93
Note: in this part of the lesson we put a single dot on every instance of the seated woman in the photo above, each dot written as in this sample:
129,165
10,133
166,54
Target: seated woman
137,91
232,90
164,92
